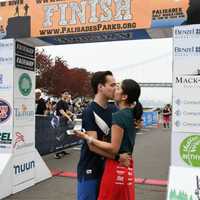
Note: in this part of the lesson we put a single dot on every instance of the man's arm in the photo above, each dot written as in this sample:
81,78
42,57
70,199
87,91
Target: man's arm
64,114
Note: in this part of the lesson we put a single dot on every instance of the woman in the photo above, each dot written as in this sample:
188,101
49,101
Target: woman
118,181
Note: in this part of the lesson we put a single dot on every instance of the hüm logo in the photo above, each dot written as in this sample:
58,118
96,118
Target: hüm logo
5,111
24,167
19,138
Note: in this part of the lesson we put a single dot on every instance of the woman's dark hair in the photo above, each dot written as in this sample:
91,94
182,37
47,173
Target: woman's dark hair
138,111
132,89
99,78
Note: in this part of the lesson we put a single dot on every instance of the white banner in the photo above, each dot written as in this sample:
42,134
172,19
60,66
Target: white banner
6,94
186,79
185,184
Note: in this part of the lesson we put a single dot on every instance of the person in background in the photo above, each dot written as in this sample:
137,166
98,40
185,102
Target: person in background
166,116
65,116
40,103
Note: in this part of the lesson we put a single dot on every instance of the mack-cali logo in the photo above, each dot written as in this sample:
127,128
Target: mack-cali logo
5,111
25,84
190,150
24,167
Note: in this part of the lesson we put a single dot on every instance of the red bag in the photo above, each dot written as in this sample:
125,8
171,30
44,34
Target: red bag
117,182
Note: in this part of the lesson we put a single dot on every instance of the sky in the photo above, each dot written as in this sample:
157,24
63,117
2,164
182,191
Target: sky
147,60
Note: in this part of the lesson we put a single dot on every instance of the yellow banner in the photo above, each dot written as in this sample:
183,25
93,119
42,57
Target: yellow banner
40,18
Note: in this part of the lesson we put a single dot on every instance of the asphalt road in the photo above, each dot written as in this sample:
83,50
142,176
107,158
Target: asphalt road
152,160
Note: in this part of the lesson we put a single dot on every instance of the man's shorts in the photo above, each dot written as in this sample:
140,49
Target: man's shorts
88,189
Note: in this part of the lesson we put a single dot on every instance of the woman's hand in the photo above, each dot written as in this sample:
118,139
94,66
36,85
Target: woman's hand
124,159
81,135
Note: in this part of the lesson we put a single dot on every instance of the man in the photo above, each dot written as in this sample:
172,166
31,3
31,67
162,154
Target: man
62,111
97,120
40,103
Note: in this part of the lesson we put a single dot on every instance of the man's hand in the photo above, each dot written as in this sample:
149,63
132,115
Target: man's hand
124,159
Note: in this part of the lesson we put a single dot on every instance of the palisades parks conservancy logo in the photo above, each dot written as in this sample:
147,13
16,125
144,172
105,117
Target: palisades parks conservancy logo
190,150
5,111
25,84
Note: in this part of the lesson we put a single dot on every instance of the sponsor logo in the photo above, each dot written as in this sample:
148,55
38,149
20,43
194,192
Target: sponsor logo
24,167
25,84
3,85
187,33
23,113
20,141
2,44
187,51
5,138
5,111
6,60
190,150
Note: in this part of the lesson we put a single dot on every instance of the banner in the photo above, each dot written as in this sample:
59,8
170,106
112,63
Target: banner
41,18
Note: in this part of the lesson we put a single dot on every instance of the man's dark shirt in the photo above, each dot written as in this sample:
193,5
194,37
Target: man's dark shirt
40,107
91,165
61,105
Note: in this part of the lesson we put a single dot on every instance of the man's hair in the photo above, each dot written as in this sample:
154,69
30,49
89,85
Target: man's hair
99,78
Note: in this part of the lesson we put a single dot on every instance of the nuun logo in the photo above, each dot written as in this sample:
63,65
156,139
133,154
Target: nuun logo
22,168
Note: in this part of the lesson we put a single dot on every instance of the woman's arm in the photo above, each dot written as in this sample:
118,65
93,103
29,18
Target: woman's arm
113,147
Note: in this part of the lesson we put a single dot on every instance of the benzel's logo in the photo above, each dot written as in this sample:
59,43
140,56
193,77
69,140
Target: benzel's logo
5,138
187,33
25,84
19,138
5,111
24,113
187,51
24,167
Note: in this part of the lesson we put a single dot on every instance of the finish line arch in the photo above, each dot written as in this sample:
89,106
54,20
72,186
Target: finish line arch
25,24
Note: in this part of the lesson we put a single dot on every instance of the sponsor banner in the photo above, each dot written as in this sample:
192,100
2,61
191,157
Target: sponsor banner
24,86
6,80
7,53
186,149
184,183
23,169
25,56
72,17
24,112
24,63
23,139
186,79
24,50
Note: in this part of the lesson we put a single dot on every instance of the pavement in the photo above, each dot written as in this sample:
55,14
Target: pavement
152,160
